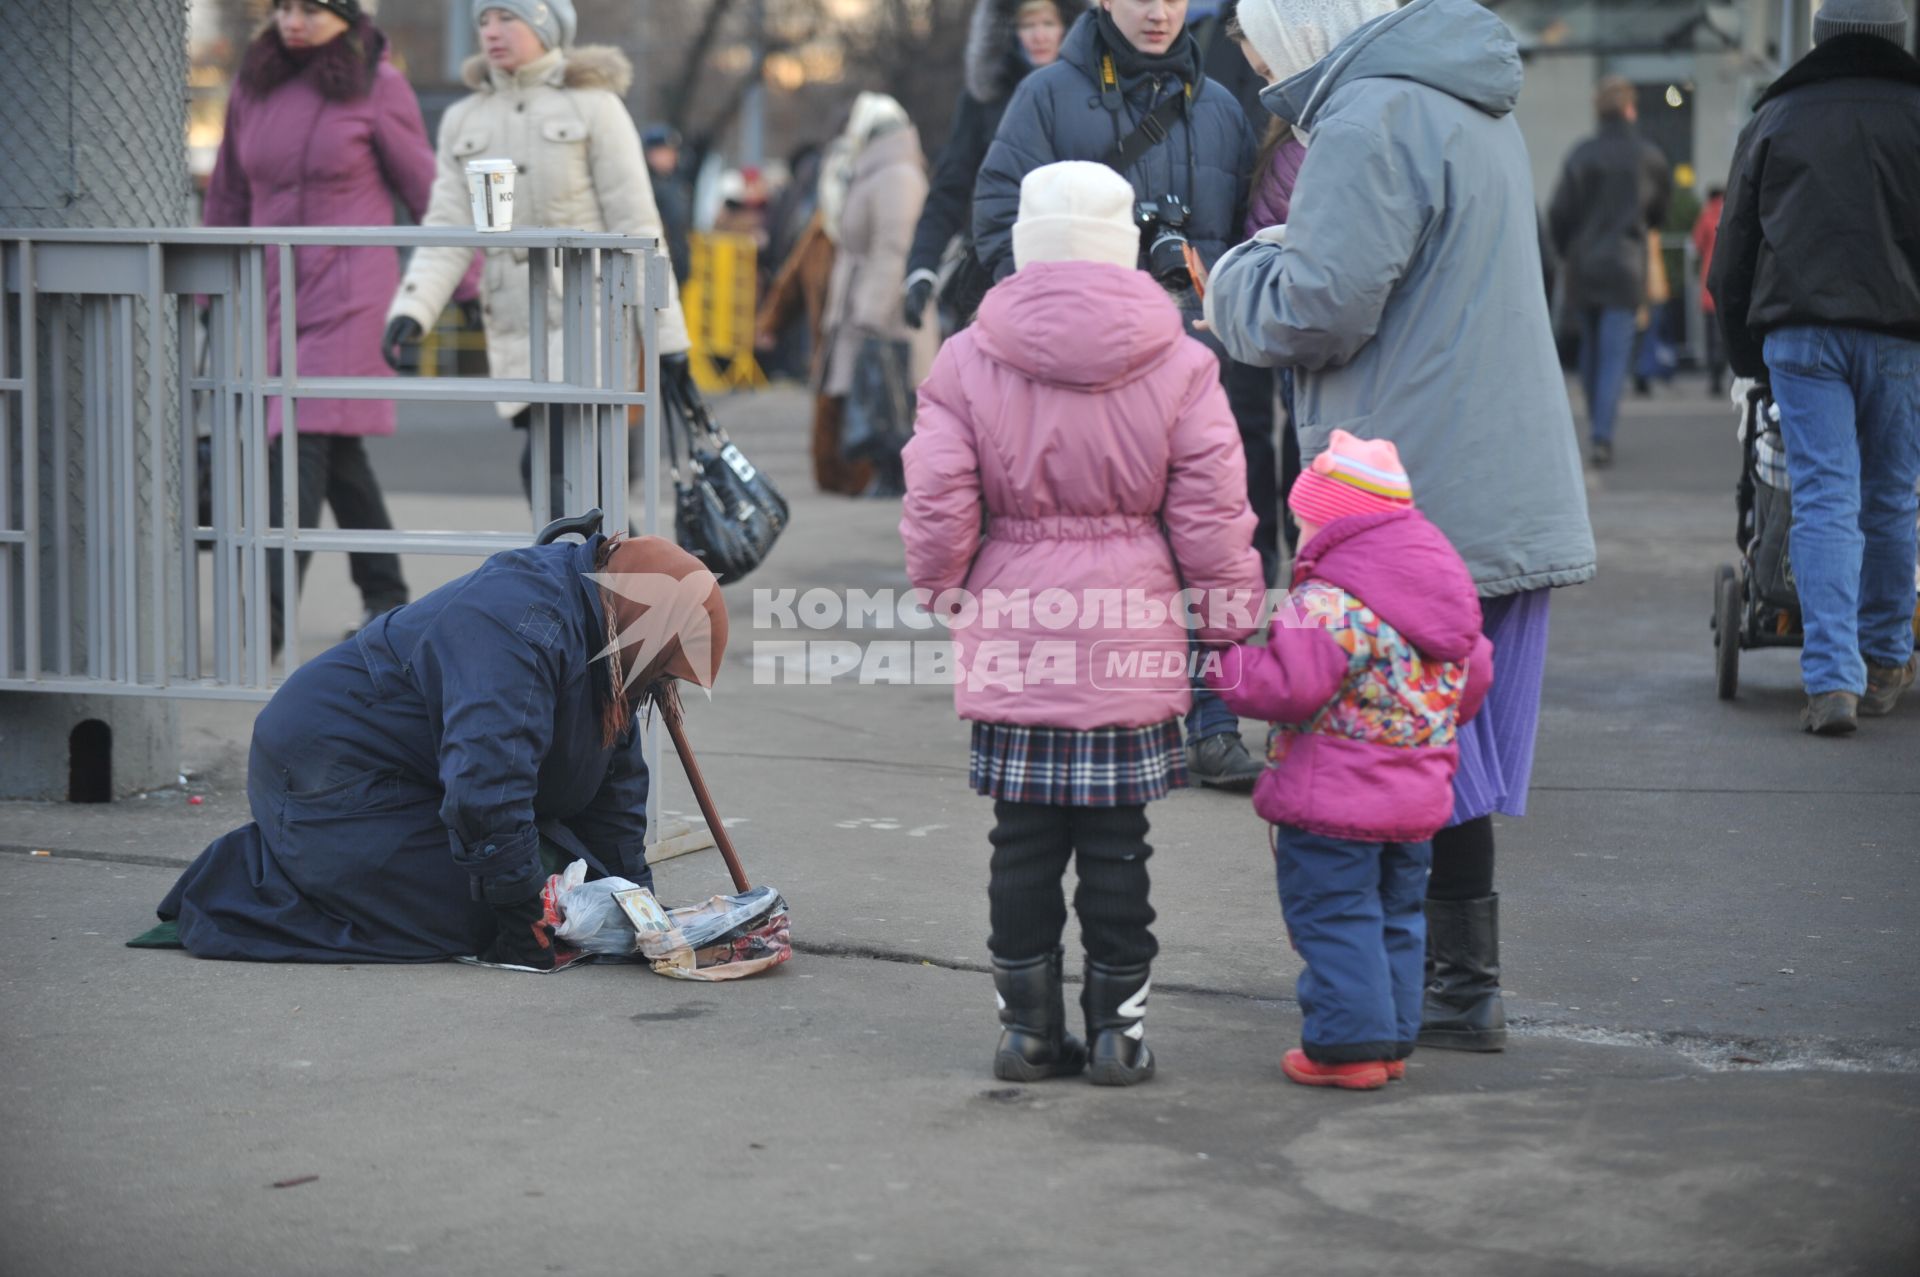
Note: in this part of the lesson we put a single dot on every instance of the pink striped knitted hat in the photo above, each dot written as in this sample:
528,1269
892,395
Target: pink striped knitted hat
1353,476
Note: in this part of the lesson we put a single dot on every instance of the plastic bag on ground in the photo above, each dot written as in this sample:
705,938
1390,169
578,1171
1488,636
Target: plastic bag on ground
723,938
590,919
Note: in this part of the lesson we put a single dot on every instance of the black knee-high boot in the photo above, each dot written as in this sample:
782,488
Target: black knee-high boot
1463,1010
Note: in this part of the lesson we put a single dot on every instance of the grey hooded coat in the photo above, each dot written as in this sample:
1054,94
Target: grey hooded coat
1408,289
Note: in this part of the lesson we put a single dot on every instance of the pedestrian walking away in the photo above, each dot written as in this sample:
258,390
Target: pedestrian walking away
1093,435
1128,91
555,110
319,74
406,784
1612,193
1006,39
870,359
671,195
1816,282
1369,669
1423,324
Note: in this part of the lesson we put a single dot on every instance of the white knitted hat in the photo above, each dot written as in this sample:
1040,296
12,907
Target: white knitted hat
1292,35
1075,211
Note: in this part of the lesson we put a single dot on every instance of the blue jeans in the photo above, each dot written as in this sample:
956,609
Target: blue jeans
1209,716
1850,415
1355,917
1606,348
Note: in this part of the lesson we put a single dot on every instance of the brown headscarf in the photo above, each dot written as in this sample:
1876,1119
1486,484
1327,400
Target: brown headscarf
665,618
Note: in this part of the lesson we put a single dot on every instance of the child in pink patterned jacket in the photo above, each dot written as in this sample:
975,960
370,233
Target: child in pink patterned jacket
1367,675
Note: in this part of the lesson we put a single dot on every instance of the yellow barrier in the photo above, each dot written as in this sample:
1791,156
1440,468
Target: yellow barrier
719,301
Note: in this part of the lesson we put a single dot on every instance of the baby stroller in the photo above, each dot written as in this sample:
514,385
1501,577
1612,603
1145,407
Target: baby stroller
1755,602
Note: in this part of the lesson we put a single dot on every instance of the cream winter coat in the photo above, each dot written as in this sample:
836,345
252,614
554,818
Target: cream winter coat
870,262
560,118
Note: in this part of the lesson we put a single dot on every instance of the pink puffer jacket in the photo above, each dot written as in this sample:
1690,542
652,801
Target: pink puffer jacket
1094,435
1368,672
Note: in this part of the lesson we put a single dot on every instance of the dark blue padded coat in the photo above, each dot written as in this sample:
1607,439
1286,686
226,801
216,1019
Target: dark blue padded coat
1057,114
402,781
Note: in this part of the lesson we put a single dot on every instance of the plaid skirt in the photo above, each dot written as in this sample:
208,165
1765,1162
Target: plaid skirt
1065,767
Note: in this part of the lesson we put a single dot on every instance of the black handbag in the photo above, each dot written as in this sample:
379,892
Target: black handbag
726,513
878,420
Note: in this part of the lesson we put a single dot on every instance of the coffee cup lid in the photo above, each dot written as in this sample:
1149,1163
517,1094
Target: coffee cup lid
491,166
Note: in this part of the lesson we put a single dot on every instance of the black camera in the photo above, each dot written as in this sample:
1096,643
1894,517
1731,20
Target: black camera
1163,223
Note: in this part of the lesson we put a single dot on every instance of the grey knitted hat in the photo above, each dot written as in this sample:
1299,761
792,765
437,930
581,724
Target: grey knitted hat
1884,18
553,20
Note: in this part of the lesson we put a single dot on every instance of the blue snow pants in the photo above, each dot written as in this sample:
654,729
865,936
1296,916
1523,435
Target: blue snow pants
1354,914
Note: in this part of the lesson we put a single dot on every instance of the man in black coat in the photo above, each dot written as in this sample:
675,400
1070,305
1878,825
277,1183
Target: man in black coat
1006,40
1816,281
1611,193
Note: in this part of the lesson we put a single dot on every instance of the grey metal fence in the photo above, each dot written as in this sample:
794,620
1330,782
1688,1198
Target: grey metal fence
54,583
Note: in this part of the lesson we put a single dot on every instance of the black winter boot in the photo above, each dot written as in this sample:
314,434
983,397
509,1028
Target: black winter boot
1034,1042
1462,1010
1115,1001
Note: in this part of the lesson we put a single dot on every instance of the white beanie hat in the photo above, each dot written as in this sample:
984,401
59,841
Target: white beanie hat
1292,35
1076,211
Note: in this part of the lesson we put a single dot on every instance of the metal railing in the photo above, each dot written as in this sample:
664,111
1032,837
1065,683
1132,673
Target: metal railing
100,585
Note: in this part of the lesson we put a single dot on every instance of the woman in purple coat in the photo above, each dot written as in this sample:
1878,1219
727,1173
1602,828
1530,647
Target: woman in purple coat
322,131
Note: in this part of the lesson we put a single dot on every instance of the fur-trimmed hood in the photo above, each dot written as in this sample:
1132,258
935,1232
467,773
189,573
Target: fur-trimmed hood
341,69
994,61
585,66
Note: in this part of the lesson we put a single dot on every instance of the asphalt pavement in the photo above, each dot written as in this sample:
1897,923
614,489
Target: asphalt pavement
1707,925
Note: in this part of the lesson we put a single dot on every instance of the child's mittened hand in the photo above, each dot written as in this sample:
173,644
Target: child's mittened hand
1226,675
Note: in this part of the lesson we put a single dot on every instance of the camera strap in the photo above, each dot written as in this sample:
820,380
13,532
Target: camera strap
1152,129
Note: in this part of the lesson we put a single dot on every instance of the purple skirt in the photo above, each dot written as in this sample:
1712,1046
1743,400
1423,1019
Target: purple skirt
1496,747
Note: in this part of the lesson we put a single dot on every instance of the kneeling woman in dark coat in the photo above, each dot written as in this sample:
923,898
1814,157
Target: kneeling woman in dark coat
402,783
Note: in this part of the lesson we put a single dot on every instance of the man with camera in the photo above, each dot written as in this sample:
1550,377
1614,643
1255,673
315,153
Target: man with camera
1128,92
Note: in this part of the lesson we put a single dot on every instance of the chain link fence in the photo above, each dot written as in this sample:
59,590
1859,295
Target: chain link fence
93,99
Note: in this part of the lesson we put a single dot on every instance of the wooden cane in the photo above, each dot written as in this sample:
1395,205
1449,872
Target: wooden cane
668,702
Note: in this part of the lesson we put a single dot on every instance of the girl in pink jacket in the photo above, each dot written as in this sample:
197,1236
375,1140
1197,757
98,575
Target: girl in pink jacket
1091,433
1369,670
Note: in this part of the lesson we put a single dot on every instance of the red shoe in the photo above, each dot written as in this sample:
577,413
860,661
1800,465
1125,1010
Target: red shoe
1396,1070
1361,1075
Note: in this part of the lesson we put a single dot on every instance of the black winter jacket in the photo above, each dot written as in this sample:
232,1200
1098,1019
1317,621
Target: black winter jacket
1822,219
1612,191
995,66
1056,114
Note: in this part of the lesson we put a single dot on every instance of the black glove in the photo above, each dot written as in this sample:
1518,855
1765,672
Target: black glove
525,937
919,293
472,318
401,332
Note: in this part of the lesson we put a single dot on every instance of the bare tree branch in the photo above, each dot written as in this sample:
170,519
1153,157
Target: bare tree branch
679,100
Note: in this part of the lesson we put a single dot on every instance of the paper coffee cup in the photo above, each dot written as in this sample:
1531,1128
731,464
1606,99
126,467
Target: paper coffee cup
490,189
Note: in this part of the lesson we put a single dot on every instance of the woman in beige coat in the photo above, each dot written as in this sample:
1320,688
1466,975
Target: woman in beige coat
873,231
556,111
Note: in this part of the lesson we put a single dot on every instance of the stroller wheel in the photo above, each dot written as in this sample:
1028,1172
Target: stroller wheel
1726,631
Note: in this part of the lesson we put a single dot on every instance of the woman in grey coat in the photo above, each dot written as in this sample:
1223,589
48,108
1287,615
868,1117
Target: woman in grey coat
1406,288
